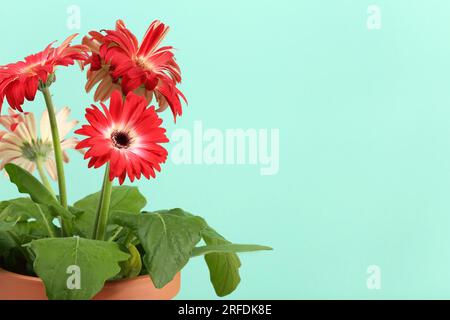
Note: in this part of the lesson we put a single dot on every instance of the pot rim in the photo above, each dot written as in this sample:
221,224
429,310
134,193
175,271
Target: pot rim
37,279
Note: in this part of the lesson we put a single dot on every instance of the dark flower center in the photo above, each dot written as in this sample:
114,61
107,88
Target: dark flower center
120,139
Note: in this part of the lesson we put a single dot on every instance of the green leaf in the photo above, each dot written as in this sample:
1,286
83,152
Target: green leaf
26,209
227,248
3,206
167,238
6,243
15,260
123,198
98,261
27,183
7,225
223,267
25,221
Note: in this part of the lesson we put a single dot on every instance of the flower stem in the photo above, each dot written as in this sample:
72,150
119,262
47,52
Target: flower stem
101,219
43,176
56,146
115,234
46,222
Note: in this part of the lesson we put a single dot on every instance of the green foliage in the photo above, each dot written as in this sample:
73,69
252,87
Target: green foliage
159,243
167,239
21,221
97,261
27,183
132,267
227,248
223,267
123,198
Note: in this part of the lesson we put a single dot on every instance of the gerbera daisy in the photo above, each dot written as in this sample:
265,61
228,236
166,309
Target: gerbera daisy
127,136
99,70
118,59
20,80
20,144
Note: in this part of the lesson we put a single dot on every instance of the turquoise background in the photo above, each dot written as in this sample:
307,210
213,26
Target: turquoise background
364,119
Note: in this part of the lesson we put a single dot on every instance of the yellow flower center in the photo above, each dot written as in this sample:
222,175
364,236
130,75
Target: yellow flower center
144,63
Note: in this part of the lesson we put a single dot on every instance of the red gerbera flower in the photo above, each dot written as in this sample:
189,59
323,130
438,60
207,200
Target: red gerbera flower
99,71
20,80
118,59
127,135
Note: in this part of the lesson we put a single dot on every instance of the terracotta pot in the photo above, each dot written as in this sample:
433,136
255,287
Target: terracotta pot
15,286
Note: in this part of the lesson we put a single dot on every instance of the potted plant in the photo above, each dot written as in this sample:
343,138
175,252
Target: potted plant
103,246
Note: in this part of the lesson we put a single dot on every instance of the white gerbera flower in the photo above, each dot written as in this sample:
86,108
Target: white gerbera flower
20,144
